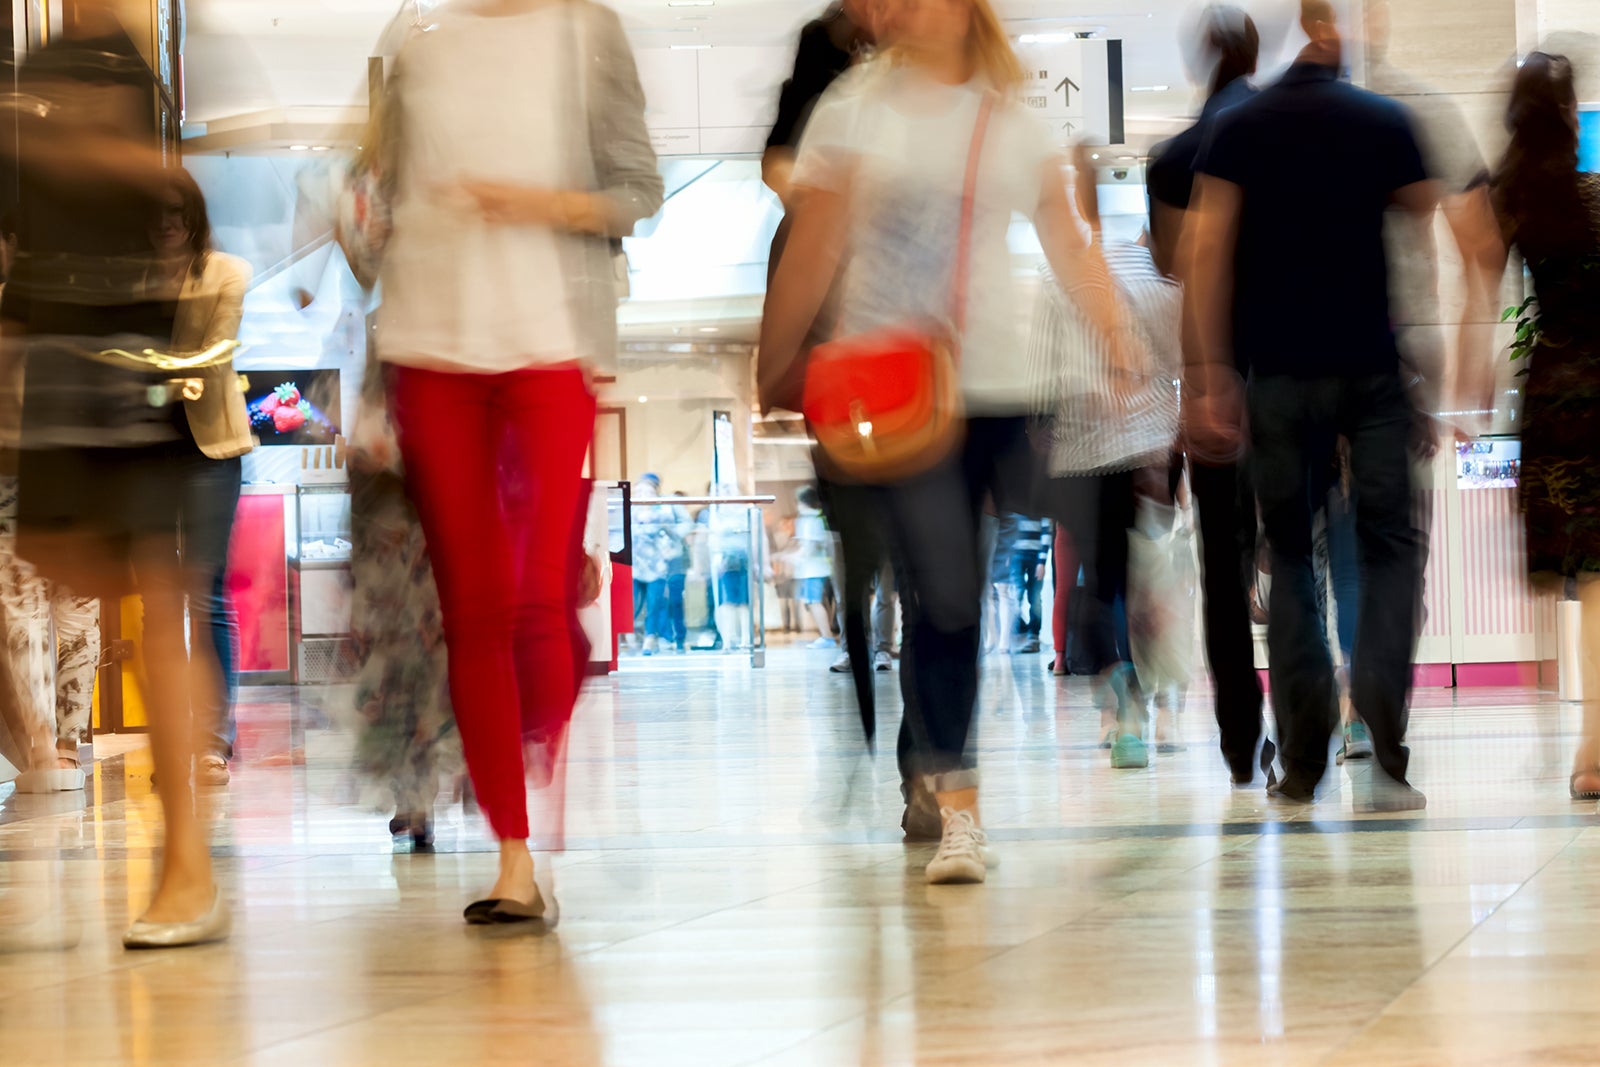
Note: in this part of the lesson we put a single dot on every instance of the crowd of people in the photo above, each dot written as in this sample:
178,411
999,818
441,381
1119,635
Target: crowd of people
1241,361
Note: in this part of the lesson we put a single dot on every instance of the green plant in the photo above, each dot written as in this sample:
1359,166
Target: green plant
1526,339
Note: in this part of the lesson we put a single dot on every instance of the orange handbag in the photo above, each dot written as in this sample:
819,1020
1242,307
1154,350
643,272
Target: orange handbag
886,405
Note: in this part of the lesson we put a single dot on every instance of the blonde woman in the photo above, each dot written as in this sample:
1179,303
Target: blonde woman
883,168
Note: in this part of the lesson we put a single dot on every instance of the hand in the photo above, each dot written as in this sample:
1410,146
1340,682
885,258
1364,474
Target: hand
1038,573
1214,416
504,203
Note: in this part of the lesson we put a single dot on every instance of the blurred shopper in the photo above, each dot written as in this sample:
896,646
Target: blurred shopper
1290,277
1229,46
1113,432
517,145
53,637
211,288
733,539
678,576
1028,555
657,540
812,565
891,164
406,735
107,452
829,46
1550,213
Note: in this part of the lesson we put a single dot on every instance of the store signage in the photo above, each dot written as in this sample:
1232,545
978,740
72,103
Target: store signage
711,101
1075,86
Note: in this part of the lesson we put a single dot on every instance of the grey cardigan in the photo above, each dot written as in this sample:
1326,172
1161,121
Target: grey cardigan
611,155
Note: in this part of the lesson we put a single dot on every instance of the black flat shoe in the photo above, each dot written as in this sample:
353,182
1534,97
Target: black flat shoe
493,912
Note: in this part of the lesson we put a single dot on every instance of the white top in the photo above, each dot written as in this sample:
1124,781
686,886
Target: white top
484,97
907,138
811,544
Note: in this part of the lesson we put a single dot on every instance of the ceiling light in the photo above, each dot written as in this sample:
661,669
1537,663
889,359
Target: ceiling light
319,148
708,329
1149,88
644,400
299,148
1094,155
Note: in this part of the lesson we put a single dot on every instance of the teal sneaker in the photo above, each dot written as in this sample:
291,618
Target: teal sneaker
1357,742
1130,753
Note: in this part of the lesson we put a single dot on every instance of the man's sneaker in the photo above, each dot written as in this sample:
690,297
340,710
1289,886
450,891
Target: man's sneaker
1382,794
959,860
842,664
1357,742
883,663
1030,647
824,642
212,771
1129,752
1289,792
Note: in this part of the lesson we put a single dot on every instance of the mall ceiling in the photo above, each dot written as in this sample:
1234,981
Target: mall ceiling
249,56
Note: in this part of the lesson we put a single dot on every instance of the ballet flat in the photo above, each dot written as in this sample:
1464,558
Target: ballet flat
214,925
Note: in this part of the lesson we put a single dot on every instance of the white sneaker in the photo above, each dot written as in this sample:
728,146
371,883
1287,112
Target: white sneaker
883,662
960,859
842,664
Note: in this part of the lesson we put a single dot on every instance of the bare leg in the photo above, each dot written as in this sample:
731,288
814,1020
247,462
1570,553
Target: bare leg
186,888
1586,764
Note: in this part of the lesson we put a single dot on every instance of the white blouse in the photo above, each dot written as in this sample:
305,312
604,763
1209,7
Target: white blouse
483,98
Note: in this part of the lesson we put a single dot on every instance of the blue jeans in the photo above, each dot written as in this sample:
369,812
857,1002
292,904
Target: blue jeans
655,607
1030,590
676,630
211,496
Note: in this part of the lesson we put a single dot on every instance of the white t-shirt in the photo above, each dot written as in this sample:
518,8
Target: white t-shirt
483,97
811,544
906,140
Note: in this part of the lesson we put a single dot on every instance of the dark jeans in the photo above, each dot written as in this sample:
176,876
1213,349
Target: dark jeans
211,496
1030,591
934,522
677,632
1096,511
1226,503
1294,425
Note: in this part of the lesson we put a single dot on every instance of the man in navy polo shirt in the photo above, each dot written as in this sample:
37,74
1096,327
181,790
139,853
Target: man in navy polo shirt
1290,278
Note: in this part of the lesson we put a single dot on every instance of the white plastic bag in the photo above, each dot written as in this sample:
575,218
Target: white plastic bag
1161,598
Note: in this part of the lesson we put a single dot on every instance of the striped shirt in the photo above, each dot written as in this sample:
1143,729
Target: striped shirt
1072,369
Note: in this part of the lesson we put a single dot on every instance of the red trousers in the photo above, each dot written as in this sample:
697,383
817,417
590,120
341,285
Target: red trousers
1066,567
494,464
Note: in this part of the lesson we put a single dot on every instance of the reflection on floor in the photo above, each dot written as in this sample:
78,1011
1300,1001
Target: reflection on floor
735,892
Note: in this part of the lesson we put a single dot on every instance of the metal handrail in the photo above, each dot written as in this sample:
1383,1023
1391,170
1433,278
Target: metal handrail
681,501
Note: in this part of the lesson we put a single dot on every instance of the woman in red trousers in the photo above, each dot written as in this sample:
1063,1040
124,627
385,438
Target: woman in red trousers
515,133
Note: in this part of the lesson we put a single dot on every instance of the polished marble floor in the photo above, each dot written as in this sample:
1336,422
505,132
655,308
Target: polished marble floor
734,891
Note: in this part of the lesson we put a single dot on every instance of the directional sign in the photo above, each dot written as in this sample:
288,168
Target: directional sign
1075,86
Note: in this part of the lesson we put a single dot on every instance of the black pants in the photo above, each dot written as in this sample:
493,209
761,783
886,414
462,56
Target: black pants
1097,511
858,515
934,520
1226,503
1294,425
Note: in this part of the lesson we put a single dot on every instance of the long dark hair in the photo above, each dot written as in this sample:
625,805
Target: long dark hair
1535,186
195,217
1233,42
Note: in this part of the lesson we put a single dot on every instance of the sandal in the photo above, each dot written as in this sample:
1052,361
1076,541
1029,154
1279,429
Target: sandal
1590,792
57,779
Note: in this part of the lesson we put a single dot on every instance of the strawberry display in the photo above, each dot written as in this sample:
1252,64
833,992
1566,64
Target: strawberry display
285,411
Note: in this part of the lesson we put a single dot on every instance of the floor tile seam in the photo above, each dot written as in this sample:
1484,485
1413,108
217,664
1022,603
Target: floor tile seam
1448,952
705,915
